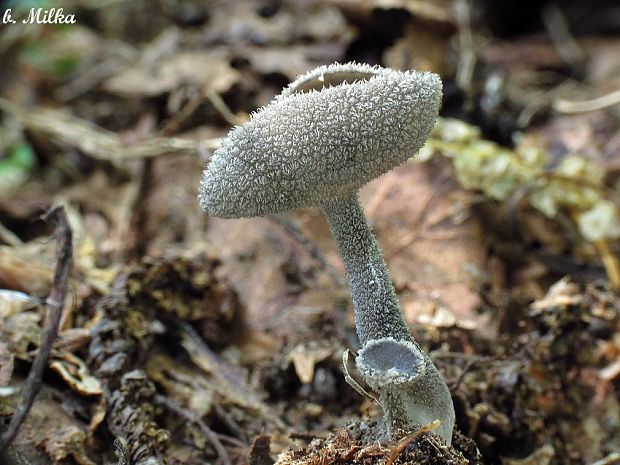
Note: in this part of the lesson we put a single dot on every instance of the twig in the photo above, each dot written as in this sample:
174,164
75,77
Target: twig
54,302
559,31
220,106
136,245
8,236
612,458
227,383
610,262
208,432
173,124
299,236
307,435
600,103
232,441
96,142
457,383
467,51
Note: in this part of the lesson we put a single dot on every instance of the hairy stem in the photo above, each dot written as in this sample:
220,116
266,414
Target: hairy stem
377,312
411,390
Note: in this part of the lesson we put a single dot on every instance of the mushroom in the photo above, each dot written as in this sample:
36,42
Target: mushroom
316,144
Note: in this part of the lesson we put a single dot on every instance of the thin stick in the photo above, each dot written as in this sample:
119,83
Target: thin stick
599,103
300,237
610,262
220,106
559,31
190,416
467,49
54,302
136,245
9,236
97,142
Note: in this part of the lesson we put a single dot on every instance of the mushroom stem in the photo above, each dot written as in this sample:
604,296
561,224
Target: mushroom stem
412,392
377,312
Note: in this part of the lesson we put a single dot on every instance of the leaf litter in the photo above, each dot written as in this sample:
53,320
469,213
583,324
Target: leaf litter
190,339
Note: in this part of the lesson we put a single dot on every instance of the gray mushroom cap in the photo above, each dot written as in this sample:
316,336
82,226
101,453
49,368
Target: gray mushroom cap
306,147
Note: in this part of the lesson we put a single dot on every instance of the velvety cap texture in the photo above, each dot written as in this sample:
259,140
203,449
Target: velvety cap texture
306,147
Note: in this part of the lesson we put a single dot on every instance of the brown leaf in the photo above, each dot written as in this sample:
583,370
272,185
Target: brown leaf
305,357
49,426
434,250
207,70
420,48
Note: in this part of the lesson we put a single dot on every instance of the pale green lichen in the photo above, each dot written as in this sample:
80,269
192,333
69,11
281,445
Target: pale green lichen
575,186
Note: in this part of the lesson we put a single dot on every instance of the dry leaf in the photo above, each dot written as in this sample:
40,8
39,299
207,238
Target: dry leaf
76,374
430,249
209,71
305,357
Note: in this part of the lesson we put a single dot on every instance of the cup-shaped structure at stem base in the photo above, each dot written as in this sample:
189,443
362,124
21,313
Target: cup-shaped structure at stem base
411,391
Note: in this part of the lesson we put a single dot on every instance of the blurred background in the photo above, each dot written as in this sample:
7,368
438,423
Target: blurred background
501,235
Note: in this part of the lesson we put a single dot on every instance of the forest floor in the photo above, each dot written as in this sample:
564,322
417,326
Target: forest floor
188,339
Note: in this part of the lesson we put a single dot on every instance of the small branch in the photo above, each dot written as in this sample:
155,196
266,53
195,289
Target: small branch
453,386
136,245
54,302
610,459
96,142
583,106
559,31
610,262
302,239
220,106
467,50
9,237
190,416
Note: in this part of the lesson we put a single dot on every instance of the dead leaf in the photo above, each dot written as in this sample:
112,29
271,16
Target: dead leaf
430,247
421,48
188,386
210,71
291,60
305,357
50,427
76,374
12,302
562,294
611,371
27,268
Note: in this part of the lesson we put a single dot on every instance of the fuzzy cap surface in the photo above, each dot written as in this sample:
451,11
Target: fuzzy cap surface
306,147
